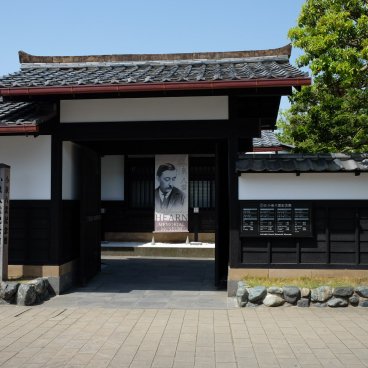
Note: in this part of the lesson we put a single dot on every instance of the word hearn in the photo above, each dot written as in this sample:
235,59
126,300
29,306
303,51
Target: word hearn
171,217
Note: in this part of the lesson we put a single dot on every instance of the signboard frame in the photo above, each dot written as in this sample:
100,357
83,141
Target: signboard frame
276,219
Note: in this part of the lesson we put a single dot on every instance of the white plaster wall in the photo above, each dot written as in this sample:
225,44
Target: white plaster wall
71,160
30,161
112,178
144,109
338,186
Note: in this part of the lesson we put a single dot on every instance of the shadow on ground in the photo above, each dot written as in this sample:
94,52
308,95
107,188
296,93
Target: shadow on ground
149,283
126,274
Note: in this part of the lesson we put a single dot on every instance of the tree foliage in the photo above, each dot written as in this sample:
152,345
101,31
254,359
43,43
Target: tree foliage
332,114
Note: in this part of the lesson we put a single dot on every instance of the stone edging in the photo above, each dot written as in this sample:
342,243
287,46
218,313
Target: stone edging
29,293
322,296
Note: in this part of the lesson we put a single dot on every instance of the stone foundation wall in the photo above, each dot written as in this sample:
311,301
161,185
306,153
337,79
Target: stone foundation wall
323,296
26,293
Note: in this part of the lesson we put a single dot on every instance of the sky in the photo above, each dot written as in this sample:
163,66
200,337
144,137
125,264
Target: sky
94,27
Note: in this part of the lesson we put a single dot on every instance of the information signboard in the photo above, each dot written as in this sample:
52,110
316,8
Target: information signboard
276,219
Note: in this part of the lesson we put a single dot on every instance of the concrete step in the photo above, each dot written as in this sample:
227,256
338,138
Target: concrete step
192,250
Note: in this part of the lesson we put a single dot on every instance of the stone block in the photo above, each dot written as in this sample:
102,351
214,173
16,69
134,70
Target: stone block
344,292
321,294
273,300
257,294
26,294
362,291
291,294
337,302
242,295
305,293
275,290
354,300
303,303
8,291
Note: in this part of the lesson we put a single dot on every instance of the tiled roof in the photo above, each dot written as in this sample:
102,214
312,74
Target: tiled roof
22,116
268,140
286,163
146,69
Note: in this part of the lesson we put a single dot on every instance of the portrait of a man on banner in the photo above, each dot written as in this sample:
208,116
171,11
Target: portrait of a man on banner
171,193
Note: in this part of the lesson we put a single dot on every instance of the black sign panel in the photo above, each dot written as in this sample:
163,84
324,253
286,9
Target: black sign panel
284,219
267,218
250,220
276,219
302,223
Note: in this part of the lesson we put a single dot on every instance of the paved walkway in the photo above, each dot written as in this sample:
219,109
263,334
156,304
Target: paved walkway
35,337
166,313
133,282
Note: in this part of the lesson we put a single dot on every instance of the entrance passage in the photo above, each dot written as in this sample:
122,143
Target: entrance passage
117,189
135,282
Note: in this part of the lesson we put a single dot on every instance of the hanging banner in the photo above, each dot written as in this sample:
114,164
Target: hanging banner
4,219
171,193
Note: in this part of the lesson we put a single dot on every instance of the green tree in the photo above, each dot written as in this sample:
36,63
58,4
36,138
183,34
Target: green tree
332,114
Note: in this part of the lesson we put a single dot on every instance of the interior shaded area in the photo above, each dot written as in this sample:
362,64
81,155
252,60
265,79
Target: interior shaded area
149,283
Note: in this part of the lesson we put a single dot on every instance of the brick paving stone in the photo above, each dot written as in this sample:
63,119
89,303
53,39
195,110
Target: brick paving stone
162,362
183,364
225,357
226,365
348,359
249,363
115,337
332,363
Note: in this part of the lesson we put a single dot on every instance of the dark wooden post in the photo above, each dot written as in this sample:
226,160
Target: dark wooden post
241,129
56,199
233,189
222,215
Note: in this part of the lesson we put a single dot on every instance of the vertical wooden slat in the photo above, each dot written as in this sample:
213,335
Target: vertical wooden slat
298,245
269,252
357,236
327,232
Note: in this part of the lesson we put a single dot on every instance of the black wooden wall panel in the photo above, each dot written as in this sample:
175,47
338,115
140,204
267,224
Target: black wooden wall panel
70,233
29,238
340,239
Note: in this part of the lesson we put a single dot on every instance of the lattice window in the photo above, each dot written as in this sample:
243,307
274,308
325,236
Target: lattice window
141,181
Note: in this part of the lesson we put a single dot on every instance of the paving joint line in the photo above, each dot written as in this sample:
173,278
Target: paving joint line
17,315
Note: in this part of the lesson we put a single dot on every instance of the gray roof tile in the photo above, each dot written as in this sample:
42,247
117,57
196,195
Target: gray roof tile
267,163
69,74
23,113
267,140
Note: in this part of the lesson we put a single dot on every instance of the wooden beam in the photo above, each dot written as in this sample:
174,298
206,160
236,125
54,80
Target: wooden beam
56,199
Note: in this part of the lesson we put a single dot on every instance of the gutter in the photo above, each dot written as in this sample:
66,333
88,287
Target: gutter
267,149
154,87
19,129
